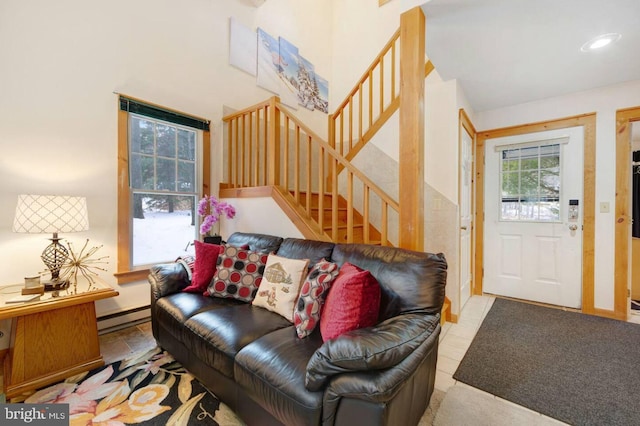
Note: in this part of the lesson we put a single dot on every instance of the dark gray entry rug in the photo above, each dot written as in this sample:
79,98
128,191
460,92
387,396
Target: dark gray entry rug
580,369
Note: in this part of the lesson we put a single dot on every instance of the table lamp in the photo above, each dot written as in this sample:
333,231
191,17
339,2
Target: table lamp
37,214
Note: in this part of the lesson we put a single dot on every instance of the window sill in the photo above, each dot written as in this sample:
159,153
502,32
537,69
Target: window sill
131,276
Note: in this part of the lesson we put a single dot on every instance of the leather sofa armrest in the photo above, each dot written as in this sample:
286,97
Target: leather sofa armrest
373,348
378,386
167,279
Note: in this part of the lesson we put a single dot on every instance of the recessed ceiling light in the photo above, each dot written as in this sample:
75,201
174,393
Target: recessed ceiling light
600,41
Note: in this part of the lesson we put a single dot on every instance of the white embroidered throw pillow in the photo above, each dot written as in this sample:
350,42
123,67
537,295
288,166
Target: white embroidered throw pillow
280,285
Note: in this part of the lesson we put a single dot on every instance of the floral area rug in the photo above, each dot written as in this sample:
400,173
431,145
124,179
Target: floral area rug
148,388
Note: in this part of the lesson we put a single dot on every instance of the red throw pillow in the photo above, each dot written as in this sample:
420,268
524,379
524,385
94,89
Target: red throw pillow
204,267
352,302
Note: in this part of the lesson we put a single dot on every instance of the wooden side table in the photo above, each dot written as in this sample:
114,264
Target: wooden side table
53,338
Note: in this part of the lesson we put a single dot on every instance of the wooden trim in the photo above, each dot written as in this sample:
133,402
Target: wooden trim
206,162
622,233
124,194
3,353
382,2
273,143
428,67
246,110
411,181
588,122
250,192
465,125
50,304
125,277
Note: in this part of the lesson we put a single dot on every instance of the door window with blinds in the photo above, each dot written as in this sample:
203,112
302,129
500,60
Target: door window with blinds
530,182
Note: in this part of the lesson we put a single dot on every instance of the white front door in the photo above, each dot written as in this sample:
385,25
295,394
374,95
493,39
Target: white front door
533,216
466,171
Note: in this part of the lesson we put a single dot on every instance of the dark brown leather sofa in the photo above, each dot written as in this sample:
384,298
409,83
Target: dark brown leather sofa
253,360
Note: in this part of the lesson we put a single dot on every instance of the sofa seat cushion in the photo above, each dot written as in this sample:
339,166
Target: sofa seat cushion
216,336
173,310
272,369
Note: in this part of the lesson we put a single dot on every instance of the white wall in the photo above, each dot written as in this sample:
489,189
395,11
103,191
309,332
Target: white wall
261,215
62,60
360,30
604,101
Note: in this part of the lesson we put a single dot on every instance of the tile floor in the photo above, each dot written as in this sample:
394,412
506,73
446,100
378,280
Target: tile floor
456,339
116,345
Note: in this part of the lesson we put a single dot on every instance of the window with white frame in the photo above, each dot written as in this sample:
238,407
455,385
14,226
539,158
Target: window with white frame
530,183
164,180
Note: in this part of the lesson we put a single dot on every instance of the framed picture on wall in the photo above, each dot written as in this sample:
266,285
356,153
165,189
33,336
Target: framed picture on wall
243,47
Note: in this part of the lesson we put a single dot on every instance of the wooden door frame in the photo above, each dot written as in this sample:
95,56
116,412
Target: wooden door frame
588,122
465,125
624,118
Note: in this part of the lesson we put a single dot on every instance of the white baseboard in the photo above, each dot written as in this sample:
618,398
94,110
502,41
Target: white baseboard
126,319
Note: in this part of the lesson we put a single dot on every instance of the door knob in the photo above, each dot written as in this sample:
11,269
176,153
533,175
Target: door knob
573,227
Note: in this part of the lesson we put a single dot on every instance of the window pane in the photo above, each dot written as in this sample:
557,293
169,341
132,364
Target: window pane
529,163
186,145
529,210
166,141
510,184
550,210
166,172
141,169
550,161
550,182
186,176
142,135
164,228
531,183
510,210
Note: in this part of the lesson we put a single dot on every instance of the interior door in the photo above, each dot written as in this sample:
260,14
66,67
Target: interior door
466,172
533,216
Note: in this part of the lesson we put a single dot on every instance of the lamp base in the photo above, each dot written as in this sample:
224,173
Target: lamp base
56,284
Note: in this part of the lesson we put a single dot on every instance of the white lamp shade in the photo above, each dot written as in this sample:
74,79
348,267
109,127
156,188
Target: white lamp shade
36,214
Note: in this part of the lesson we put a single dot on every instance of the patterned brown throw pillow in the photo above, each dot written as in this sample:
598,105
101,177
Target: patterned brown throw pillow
312,294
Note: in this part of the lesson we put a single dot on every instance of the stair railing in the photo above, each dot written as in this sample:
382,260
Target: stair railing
268,145
369,104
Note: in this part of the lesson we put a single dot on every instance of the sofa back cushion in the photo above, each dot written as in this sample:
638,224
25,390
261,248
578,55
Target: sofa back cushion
296,248
410,281
256,242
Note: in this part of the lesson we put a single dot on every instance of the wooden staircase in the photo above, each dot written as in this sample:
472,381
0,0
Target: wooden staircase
270,151
359,232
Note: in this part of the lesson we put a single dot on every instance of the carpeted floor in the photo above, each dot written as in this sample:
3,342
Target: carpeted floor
576,368
148,388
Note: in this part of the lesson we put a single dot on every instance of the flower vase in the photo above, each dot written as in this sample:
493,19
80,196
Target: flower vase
213,239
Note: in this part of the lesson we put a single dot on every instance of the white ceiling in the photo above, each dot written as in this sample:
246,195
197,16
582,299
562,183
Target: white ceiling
506,52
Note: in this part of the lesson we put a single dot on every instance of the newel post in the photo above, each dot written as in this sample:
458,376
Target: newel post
273,143
412,72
